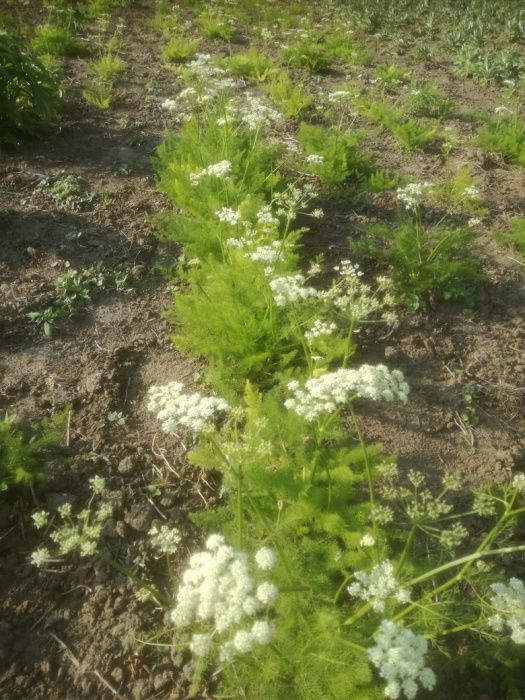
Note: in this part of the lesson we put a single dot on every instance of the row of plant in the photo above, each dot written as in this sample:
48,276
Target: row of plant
327,571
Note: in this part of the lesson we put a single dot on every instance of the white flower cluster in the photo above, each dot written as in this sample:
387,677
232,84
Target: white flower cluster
314,159
219,170
338,95
265,253
177,410
290,289
253,113
266,218
166,539
325,393
411,195
219,591
399,656
378,585
346,268
228,216
320,328
518,482
471,192
509,603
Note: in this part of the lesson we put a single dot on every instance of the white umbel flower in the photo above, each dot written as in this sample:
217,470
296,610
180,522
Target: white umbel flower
265,558
290,289
378,585
177,410
228,216
219,592
325,393
411,195
508,602
220,170
399,656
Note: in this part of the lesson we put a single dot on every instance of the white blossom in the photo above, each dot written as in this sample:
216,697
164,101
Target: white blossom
290,289
40,519
325,393
411,195
378,585
320,328
399,656
265,558
220,170
367,541
40,556
518,482
175,409
508,602
218,591
315,159
228,216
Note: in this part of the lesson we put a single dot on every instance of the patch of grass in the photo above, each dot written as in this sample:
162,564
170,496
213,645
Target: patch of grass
392,75
214,26
311,54
29,94
108,67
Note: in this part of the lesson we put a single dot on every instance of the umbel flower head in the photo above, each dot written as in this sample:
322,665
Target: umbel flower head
325,393
176,410
378,585
399,656
508,602
220,595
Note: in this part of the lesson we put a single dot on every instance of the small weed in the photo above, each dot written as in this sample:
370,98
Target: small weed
68,192
460,190
98,93
468,412
74,291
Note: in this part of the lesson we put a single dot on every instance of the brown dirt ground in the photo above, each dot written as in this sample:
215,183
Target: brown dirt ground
70,631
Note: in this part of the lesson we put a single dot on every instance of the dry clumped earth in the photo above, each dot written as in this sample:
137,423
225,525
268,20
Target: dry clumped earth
71,631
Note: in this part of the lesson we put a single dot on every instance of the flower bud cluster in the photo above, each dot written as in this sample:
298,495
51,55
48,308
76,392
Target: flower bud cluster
290,289
325,393
174,409
399,656
378,586
219,592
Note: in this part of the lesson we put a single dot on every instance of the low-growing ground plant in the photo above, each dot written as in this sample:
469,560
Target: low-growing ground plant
312,54
215,26
30,96
74,291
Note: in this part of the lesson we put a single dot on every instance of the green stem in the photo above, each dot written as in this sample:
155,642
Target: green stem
160,597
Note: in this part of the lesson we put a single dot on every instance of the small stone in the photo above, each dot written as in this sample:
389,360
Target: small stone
126,465
139,517
117,674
